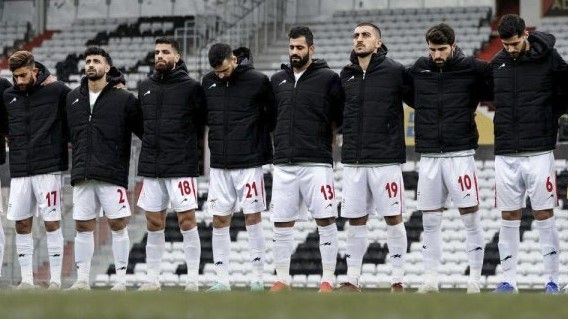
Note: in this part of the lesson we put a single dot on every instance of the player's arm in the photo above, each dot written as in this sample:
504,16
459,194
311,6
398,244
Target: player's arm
62,109
199,106
268,104
407,87
135,121
559,74
337,98
484,83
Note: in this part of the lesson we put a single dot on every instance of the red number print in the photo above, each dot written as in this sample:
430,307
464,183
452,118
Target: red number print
121,198
184,188
465,182
250,188
549,185
392,189
327,191
51,198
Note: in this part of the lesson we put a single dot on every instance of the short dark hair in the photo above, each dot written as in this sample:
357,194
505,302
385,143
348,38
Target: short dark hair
170,41
243,53
302,31
372,25
98,51
511,25
21,59
218,53
441,34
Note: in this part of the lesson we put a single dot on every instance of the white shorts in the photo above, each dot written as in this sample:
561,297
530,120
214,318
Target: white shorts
179,192
89,197
517,176
35,195
233,188
367,190
292,185
440,177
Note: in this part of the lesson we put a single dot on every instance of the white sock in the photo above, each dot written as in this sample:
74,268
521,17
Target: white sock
549,246
2,243
55,252
221,253
397,244
432,244
120,250
192,250
282,250
509,238
84,249
155,247
328,251
356,248
25,249
475,245
257,248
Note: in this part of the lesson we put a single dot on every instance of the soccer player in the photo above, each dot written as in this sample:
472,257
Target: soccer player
173,106
528,74
4,85
373,150
447,87
239,100
309,101
38,154
101,121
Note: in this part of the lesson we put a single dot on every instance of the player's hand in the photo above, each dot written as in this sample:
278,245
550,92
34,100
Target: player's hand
50,79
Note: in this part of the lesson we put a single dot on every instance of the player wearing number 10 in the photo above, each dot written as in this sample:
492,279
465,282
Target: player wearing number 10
38,153
101,121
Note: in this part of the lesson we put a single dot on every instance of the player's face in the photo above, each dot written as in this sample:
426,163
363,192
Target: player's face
300,52
440,53
96,66
165,57
224,71
25,77
515,45
366,41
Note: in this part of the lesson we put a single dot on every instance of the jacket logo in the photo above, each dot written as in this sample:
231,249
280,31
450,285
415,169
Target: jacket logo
212,86
502,65
13,100
76,100
351,78
425,71
283,81
147,92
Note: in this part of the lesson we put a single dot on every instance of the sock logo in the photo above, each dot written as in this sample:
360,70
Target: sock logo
554,252
423,246
475,249
327,243
396,256
256,259
347,256
507,258
121,268
56,255
21,255
219,263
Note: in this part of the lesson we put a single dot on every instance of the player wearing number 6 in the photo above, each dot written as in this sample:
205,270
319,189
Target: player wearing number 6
309,102
101,121
38,154
173,105
530,95
239,100
373,149
447,87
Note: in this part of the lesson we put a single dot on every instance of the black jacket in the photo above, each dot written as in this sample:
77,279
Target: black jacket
529,96
173,105
238,115
101,140
305,113
37,136
373,120
4,85
445,100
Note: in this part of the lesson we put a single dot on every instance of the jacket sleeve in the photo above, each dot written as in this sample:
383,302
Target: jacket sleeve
484,80
3,110
199,107
559,74
134,116
408,87
337,98
63,111
268,104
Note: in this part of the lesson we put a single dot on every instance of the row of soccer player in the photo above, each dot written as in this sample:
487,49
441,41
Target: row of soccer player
300,106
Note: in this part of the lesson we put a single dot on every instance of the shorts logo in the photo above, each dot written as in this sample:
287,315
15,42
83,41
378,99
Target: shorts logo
395,203
329,205
506,258
476,249
467,195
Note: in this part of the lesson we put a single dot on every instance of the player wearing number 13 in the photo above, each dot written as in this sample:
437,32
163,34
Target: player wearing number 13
101,120
38,153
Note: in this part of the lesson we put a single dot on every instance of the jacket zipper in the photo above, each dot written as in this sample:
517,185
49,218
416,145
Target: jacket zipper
28,132
360,116
225,124
90,137
159,106
440,115
515,120
292,111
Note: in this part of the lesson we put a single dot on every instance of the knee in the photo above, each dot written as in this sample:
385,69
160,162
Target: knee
253,219
468,210
155,222
186,220
85,225
325,221
360,221
543,214
221,221
24,226
51,226
511,215
393,220
117,224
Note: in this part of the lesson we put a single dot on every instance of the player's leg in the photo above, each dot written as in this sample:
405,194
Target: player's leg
316,187
250,189
432,194
183,198
221,199
541,188
461,180
153,200
510,193
47,190
387,187
116,207
2,236
355,206
21,202
285,207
